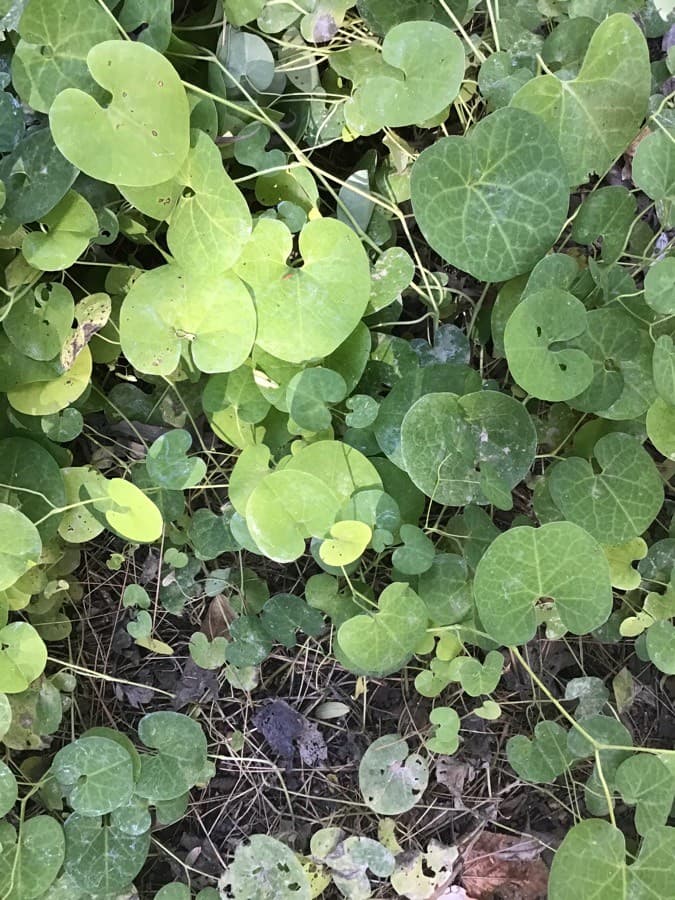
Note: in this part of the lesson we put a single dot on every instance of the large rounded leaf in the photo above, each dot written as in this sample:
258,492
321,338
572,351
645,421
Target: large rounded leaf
100,858
535,342
383,641
597,114
525,567
470,449
142,136
305,312
266,869
96,775
616,503
341,468
211,222
128,511
169,311
492,203
591,862
285,509
43,398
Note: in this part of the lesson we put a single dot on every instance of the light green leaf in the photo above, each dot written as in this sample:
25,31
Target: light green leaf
661,427
533,336
169,312
20,545
660,286
475,677
286,508
391,779
615,76
620,557
455,448
418,74
446,378
129,512
52,52
168,464
100,858
207,654
348,540
23,657
78,524
446,736
664,368
654,170
309,395
381,642
211,222
417,553
180,759
266,869
142,136
661,646
343,469
28,866
305,312
96,775
620,501
525,566
44,398
591,862
153,15
392,273
9,791
492,203
69,228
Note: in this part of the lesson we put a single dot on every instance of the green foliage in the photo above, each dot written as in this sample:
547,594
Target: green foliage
302,285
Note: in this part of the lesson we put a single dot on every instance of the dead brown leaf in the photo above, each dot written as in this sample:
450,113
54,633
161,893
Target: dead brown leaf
506,867
219,616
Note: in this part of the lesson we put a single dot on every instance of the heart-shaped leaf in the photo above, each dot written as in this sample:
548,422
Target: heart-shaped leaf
211,222
576,109
418,74
52,52
68,229
417,553
446,736
391,778
168,464
534,333
142,136
309,395
169,312
305,312
100,858
285,509
492,203
23,657
654,171
347,541
543,758
617,503
456,448
129,512
265,868
445,589
180,758
29,865
660,286
39,323
526,566
648,784
20,545
591,861
381,642
664,368
475,677
96,774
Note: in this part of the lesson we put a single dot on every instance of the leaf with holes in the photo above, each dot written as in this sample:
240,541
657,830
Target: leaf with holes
559,563
142,136
391,778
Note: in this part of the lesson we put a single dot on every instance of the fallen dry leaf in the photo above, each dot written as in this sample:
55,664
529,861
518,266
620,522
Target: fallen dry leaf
506,867
218,618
